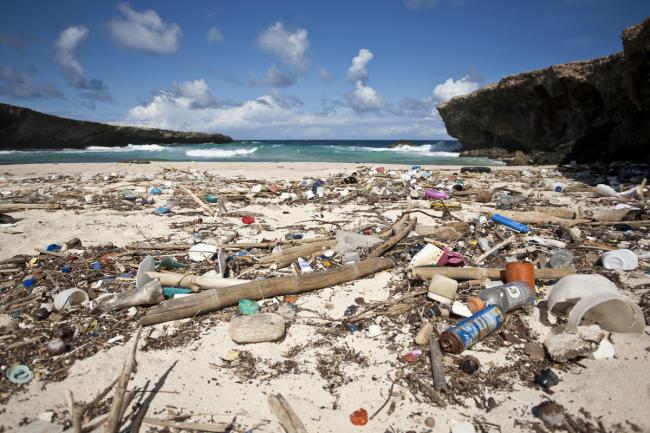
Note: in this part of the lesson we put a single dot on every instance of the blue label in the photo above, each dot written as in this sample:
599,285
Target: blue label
474,328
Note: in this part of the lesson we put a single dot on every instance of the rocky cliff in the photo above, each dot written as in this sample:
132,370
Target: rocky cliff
22,128
583,110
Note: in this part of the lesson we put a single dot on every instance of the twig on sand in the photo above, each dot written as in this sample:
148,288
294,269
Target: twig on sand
116,412
287,417
390,394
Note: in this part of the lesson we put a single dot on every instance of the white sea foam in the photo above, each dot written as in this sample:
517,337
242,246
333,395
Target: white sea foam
129,148
423,149
219,153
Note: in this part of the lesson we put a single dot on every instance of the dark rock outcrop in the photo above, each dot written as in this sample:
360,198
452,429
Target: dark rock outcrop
583,110
22,128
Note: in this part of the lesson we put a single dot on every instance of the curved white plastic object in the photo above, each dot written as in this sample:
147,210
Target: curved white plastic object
606,190
146,265
610,311
597,300
571,288
625,260
68,298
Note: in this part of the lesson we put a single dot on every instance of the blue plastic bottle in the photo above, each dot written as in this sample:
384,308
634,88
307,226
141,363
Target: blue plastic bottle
500,219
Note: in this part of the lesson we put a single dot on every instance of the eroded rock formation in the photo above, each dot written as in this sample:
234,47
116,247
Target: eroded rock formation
584,110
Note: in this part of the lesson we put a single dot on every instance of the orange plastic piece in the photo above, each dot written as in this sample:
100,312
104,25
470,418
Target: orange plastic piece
359,417
290,299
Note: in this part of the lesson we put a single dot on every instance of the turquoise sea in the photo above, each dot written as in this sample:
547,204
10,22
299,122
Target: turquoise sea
356,151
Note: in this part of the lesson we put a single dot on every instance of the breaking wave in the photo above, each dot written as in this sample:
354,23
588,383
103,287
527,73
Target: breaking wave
219,153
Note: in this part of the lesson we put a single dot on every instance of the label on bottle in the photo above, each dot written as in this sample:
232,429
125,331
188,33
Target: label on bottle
514,291
474,328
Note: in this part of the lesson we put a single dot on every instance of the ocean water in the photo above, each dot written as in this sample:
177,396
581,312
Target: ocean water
355,151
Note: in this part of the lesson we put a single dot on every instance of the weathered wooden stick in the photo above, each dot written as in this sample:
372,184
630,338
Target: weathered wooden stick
560,212
114,416
437,369
197,200
287,417
192,426
469,273
148,246
428,390
285,257
172,279
214,299
400,233
17,207
494,249
539,218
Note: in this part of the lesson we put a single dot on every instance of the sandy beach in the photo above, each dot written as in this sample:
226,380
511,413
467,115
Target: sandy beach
325,371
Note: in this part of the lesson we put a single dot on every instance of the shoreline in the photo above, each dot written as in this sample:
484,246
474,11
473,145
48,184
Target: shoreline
274,170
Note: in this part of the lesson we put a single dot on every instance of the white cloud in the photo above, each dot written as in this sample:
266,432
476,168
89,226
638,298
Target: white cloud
276,115
214,35
289,47
144,31
450,88
365,98
357,70
65,52
197,91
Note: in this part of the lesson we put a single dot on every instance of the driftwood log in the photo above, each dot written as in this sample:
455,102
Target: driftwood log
214,299
469,273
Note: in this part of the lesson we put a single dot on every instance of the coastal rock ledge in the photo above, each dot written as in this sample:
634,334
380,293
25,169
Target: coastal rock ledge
586,110
22,128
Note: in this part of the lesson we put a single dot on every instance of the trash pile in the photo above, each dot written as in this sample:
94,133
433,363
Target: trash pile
497,251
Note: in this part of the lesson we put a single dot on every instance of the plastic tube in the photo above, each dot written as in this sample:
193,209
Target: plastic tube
500,219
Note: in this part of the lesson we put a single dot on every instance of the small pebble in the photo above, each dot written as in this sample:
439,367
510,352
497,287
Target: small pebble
430,422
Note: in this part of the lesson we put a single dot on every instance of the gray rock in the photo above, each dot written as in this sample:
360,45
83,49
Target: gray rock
563,346
257,328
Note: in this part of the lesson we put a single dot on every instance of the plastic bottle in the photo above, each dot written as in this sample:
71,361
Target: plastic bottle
507,297
500,219
430,193
471,330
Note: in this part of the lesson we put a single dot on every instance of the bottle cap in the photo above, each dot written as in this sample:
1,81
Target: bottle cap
475,304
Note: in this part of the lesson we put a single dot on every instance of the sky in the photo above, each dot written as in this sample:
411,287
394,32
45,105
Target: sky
280,69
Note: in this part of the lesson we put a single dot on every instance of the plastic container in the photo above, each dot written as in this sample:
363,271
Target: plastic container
471,330
431,193
500,219
596,299
559,186
507,297
521,271
442,289
350,258
624,260
68,298
429,255
605,190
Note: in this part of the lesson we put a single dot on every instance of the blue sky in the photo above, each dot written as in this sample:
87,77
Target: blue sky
259,69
